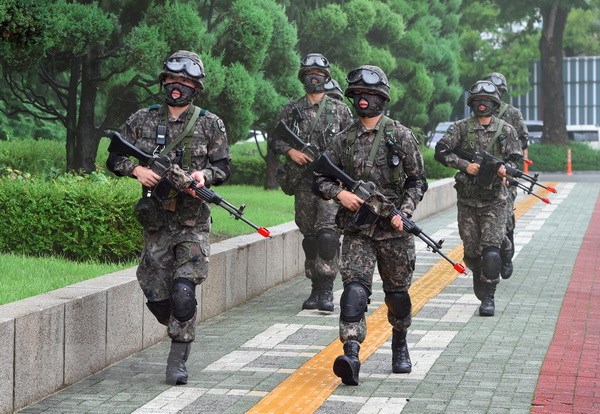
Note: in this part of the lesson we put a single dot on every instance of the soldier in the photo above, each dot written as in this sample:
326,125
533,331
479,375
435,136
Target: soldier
315,118
176,233
482,194
378,149
333,90
513,116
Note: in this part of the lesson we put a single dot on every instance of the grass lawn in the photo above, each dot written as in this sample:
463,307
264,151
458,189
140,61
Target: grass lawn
22,277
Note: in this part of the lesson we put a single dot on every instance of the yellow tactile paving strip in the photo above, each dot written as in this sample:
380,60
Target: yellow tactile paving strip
310,385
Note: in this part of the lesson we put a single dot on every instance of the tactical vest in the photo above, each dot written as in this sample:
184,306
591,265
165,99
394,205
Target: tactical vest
186,135
386,130
497,150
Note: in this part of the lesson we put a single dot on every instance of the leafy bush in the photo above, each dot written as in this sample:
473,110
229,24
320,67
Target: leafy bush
433,169
554,157
37,157
247,166
79,218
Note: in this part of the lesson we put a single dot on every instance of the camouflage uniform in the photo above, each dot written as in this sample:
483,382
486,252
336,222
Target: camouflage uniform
362,249
482,211
176,238
514,117
313,215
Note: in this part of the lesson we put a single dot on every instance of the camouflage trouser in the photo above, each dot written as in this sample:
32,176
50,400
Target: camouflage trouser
508,249
171,253
314,214
395,260
481,227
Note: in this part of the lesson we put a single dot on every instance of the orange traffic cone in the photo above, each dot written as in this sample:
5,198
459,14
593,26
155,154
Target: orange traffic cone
569,167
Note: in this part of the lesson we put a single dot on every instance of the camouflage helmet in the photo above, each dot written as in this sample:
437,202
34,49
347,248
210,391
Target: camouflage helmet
370,78
314,61
185,64
499,81
483,89
332,88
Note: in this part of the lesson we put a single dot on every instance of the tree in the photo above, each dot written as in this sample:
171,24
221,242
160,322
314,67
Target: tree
84,54
510,23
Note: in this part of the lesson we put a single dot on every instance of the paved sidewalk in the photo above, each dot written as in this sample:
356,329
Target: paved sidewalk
462,363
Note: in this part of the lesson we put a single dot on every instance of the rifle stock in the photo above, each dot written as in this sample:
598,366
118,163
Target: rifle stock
324,166
161,164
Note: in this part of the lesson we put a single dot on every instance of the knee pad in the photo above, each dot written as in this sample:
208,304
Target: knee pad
328,244
183,299
161,310
398,304
353,303
491,262
473,263
309,245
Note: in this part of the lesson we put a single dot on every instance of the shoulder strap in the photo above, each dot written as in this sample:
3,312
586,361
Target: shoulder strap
383,124
503,108
496,135
188,127
471,137
317,117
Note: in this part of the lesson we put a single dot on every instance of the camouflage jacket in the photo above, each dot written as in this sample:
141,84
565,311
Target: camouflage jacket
299,116
209,147
507,147
513,116
404,185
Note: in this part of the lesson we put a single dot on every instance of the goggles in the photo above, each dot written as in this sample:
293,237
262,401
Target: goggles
496,80
485,86
177,65
315,60
368,76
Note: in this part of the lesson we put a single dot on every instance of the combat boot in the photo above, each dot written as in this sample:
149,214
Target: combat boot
176,371
347,366
487,307
507,268
400,358
313,300
478,284
326,295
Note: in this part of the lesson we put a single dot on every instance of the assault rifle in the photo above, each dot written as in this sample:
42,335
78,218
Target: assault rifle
324,166
485,158
527,189
169,187
288,136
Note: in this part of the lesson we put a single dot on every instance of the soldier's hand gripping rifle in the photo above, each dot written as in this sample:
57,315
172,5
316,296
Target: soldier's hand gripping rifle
324,166
484,158
293,140
174,179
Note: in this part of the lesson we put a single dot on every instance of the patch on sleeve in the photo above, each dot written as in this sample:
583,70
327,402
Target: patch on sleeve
221,125
450,129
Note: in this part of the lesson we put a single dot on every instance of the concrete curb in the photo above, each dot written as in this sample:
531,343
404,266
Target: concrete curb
53,340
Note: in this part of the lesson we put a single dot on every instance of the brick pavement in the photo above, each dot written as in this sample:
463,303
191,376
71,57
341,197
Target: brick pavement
463,363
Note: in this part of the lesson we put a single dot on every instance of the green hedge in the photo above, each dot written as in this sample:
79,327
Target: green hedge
76,218
553,158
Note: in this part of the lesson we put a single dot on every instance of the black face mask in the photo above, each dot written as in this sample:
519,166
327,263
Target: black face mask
187,94
310,86
375,108
490,107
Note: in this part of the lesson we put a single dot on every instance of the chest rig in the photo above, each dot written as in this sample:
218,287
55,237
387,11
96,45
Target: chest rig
497,150
326,105
183,157
385,132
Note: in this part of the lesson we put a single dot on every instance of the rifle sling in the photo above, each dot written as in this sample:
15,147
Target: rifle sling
186,131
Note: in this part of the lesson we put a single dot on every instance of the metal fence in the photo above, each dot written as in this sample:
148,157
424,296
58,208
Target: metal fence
581,80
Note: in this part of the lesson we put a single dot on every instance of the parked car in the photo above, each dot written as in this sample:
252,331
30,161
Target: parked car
440,130
535,128
589,134
254,135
